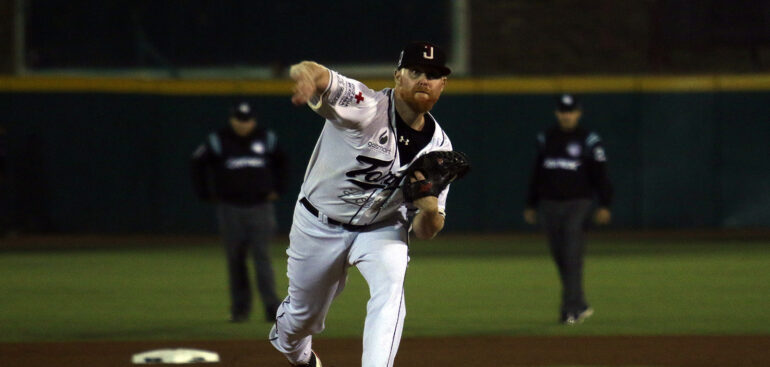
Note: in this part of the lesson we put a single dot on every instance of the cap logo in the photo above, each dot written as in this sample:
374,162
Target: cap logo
243,108
567,100
425,54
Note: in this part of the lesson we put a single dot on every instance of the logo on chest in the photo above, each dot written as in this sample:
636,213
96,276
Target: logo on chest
244,162
383,137
258,147
382,143
372,175
574,149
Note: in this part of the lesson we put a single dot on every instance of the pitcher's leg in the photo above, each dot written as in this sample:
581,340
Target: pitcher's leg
382,262
317,270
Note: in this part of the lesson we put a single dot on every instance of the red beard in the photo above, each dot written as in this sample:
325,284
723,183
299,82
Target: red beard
419,102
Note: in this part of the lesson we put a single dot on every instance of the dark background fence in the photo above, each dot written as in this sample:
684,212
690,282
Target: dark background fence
93,159
111,162
199,33
505,36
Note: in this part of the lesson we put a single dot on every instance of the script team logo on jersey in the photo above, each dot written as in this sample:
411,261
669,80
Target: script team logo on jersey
371,177
574,149
561,163
258,147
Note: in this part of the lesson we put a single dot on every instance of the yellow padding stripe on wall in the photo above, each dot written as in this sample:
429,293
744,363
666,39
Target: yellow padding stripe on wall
144,86
505,85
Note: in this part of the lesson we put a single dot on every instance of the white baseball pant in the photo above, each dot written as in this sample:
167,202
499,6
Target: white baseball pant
319,256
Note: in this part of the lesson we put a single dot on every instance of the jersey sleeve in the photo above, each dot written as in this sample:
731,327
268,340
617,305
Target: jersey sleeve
346,102
442,200
597,169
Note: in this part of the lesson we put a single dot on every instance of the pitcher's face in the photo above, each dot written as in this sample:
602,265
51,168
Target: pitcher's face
419,87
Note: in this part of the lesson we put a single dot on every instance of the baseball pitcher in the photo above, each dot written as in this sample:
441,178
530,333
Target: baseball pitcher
381,167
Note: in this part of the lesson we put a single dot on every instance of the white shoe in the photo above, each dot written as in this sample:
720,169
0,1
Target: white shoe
588,312
574,319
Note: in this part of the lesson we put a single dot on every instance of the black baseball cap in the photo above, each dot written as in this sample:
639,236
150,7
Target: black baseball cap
423,54
242,111
567,102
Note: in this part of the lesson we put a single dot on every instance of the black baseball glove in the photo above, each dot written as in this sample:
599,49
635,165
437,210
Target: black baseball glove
440,168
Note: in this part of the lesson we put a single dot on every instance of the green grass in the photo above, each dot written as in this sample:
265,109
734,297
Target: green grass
455,286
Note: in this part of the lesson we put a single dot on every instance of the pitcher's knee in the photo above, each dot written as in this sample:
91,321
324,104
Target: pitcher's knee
388,293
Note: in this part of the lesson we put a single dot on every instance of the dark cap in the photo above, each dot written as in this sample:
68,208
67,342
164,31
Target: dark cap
423,54
568,102
242,111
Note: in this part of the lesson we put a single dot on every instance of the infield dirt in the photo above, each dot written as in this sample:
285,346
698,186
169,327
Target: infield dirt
680,351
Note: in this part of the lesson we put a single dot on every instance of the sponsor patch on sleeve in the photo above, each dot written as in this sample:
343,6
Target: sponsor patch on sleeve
337,90
348,93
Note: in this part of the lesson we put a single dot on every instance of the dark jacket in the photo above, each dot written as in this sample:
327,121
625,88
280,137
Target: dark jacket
237,170
569,165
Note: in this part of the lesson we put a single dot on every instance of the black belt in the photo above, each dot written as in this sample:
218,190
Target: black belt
314,211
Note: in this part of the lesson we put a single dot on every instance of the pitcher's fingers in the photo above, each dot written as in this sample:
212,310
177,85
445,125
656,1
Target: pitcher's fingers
417,176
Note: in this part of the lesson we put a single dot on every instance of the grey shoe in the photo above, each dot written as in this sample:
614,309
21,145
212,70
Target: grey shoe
574,318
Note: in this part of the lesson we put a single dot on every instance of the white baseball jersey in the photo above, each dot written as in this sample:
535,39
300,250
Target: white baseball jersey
354,173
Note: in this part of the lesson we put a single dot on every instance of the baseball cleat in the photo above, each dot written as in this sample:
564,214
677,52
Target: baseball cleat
577,318
313,362
582,315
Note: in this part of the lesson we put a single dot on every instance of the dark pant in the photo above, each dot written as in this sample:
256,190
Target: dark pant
563,220
247,230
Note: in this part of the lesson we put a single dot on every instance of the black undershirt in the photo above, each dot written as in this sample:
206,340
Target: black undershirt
410,141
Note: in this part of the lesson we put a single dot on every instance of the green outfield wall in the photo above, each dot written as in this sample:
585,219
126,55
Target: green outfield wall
112,155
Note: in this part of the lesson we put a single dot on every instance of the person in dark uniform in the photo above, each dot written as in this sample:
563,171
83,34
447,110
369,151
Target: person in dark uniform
242,169
570,170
